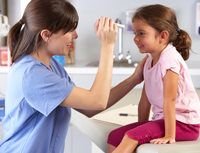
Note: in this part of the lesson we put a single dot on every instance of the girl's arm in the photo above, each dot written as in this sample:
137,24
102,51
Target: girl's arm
170,93
143,107
121,89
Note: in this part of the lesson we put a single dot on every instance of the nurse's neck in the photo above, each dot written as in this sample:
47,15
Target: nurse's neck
43,58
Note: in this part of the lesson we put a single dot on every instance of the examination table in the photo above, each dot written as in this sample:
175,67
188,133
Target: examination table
98,132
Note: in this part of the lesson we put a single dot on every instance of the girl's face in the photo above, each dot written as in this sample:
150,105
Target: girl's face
146,37
59,43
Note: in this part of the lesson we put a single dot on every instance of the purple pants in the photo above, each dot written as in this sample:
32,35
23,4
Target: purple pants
148,130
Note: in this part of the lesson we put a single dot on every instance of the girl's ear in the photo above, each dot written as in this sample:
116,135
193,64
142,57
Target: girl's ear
164,36
45,34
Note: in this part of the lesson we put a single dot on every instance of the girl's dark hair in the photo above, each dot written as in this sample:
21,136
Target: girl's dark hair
54,15
163,18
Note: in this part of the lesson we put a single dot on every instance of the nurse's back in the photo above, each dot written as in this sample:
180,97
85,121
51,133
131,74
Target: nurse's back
32,130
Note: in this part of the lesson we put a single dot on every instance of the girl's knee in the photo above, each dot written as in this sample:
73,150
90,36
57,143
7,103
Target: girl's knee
114,139
130,140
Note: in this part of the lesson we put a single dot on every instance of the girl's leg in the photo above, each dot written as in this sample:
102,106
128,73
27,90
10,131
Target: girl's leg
144,132
186,132
115,137
111,148
127,145
139,135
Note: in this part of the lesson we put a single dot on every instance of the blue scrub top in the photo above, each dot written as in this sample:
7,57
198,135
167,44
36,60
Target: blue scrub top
34,122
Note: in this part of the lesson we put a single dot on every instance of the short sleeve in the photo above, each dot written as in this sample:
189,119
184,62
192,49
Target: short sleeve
44,90
169,63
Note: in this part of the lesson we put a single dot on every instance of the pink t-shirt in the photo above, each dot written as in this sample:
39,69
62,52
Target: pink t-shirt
187,102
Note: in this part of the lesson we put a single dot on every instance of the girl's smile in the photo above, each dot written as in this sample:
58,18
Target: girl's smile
140,46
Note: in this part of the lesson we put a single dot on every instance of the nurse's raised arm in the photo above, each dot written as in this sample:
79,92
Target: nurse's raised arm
97,97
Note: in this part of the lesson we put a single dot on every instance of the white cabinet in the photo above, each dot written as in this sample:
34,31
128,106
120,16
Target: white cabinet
76,141
83,80
84,76
86,80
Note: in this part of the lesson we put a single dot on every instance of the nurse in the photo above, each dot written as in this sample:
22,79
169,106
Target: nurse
40,94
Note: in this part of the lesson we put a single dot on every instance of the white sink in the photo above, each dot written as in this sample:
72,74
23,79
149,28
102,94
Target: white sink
115,64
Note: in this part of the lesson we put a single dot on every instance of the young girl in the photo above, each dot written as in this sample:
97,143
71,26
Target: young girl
168,86
40,94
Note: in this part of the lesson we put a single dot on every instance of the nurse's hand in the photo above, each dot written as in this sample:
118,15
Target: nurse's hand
138,74
97,97
106,30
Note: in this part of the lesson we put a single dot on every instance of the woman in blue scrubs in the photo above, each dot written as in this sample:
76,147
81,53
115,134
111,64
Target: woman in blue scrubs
40,94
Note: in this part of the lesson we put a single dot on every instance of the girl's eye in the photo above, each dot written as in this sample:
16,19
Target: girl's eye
142,33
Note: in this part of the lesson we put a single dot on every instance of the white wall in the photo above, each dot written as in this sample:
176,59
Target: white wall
87,45
15,10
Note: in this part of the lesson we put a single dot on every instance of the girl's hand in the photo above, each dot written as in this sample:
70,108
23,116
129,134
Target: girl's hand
106,30
138,74
163,140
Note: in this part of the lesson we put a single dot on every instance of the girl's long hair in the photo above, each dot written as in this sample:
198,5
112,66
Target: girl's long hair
163,18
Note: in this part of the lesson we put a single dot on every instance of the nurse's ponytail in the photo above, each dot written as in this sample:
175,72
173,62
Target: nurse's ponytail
21,41
13,38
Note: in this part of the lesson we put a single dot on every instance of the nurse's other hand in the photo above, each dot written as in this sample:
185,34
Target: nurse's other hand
138,74
106,30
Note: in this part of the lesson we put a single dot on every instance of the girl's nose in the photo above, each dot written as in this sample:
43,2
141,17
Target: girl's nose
135,39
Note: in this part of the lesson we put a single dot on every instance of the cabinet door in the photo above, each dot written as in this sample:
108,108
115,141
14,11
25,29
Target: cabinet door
86,80
116,79
76,138
83,80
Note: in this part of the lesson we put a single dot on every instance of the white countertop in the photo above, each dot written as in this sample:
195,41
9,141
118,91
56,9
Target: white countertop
80,67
